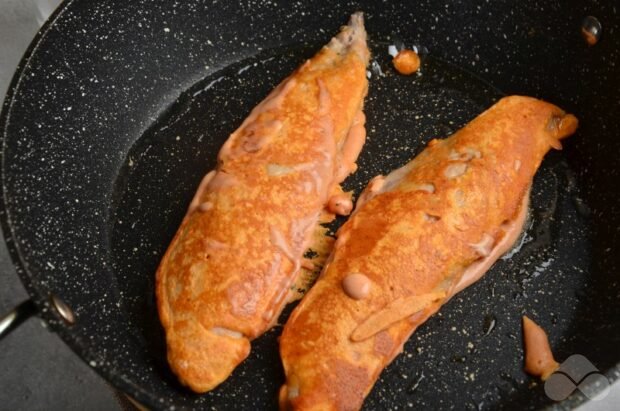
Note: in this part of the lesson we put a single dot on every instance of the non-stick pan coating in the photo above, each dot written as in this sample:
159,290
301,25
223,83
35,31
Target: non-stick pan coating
119,109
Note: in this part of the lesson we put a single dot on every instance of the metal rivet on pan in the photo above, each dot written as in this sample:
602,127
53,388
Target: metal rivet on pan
591,30
63,309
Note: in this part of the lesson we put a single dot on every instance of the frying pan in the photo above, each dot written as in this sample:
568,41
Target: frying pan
119,108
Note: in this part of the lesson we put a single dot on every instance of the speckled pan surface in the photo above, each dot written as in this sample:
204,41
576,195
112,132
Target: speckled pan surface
119,108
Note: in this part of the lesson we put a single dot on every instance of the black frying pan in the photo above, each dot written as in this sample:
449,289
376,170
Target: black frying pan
119,108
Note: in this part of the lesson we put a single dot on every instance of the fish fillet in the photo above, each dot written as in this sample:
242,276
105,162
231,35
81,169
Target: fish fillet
226,275
416,237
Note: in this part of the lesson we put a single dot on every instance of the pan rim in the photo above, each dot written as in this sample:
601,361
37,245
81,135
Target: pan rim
41,297
36,294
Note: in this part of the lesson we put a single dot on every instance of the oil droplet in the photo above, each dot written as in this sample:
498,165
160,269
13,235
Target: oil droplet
489,324
591,30
459,358
417,383
581,207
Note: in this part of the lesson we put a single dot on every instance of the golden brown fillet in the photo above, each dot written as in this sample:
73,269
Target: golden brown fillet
417,236
225,277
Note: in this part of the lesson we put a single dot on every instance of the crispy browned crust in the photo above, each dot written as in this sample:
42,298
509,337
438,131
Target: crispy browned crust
224,278
411,240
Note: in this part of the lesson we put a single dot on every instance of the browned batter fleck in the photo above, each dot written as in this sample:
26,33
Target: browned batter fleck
539,360
406,62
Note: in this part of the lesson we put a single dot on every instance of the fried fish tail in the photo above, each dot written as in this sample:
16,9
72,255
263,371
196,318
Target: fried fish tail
417,236
227,273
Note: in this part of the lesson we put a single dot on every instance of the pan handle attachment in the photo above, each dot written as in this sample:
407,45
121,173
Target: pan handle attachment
28,308
17,316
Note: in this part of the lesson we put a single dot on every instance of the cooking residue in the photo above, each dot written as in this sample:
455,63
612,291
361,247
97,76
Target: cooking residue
539,360
340,204
320,247
375,68
417,383
406,62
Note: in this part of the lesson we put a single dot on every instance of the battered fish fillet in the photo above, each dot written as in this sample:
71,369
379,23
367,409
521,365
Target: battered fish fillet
417,237
225,277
